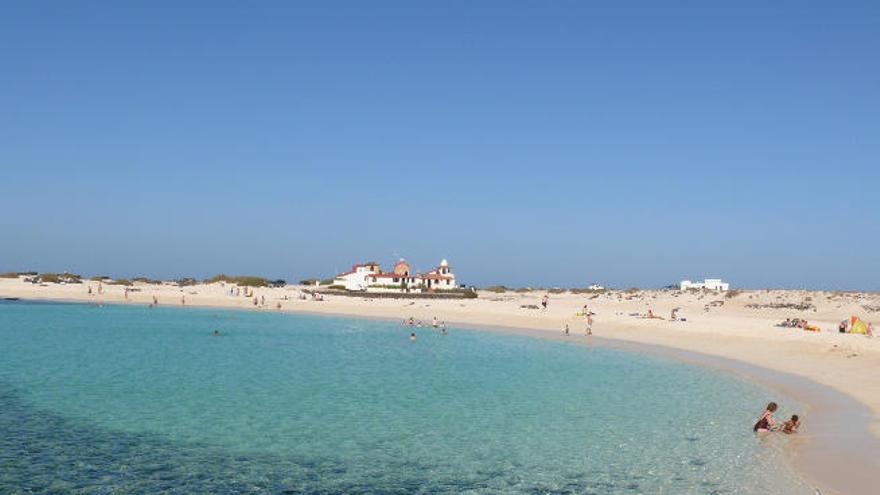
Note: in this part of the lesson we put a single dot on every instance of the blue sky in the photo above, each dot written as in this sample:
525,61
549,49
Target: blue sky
530,143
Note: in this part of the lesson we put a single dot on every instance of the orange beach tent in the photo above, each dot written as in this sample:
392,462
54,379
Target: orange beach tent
858,326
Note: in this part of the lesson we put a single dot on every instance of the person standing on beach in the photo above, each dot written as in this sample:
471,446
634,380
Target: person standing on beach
155,301
544,302
566,331
589,324
183,300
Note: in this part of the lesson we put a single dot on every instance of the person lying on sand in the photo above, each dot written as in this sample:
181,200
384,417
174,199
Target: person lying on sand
765,422
652,316
791,425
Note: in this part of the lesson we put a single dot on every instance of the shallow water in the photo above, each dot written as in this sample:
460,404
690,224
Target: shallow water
131,400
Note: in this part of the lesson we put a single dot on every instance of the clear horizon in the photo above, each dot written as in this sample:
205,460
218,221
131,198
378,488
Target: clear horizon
529,144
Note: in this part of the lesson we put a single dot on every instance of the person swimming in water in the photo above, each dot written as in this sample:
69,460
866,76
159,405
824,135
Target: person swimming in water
791,425
765,422
216,333
412,337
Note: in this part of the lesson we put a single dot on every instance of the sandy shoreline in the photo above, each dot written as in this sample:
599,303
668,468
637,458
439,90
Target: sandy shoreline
835,374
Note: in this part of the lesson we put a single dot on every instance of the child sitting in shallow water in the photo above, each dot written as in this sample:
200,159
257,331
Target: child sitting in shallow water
765,422
791,425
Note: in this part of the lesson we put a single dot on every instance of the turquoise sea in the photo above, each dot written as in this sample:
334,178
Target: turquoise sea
127,399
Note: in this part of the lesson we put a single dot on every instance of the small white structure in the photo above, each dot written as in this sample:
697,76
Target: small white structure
596,287
708,284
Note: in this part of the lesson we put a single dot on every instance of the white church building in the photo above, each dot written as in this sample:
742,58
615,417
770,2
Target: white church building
369,277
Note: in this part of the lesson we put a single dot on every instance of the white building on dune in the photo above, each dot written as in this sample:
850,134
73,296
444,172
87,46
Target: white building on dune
708,284
356,278
369,277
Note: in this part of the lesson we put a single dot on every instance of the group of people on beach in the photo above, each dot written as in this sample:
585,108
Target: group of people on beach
844,326
436,324
799,323
766,423
588,326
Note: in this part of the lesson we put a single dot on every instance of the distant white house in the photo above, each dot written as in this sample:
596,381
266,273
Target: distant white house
709,284
596,287
369,277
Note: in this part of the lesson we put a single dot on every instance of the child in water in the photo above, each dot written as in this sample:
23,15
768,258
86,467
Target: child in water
791,425
765,422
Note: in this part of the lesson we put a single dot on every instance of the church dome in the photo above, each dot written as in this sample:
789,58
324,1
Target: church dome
402,267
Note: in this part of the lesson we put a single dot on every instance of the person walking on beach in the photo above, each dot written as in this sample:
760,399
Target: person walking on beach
589,324
765,422
566,331
544,302
183,300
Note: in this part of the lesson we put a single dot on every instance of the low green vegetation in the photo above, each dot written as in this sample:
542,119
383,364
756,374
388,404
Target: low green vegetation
336,287
145,280
498,289
9,275
99,278
308,281
243,280
121,281
733,293
587,291
466,293
57,278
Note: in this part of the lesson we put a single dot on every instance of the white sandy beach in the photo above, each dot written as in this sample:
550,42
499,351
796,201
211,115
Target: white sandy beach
716,326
